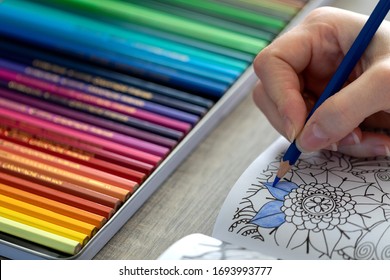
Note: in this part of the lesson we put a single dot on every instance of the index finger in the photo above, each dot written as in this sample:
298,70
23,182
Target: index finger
278,67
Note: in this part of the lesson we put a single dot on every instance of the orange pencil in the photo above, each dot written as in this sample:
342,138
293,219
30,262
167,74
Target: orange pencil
55,206
60,185
47,215
56,195
69,153
81,152
67,165
108,189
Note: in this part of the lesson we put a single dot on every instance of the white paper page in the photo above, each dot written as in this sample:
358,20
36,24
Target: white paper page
329,206
202,247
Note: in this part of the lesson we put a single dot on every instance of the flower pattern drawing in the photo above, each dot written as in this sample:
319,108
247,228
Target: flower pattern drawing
329,206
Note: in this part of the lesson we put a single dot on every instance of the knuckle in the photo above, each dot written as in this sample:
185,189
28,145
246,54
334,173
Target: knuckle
379,97
262,59
320,14
337,119
343,115
383,70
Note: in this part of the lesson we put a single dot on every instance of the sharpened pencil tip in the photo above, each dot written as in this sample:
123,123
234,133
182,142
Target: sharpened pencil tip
277,179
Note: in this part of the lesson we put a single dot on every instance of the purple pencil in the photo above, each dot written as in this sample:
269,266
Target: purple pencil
80,126
101,113
65,134
110,125
102,102
99,91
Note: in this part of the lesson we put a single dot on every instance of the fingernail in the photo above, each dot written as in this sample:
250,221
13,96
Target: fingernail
355,138
382,150
350,139
289,128
312,138
333,147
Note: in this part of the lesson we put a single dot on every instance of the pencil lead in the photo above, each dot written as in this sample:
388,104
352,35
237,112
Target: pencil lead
277,179
283,169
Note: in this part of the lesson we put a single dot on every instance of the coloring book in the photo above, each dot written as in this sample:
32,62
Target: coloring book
328,206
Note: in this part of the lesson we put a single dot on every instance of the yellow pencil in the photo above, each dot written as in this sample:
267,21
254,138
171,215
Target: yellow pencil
55,206
82,238
39,236
47,215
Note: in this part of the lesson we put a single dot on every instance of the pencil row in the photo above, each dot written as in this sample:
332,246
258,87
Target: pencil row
132,35
94,95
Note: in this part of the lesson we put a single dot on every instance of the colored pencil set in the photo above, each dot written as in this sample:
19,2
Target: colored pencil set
94,95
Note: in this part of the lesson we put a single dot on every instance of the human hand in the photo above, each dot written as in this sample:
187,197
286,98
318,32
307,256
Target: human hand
297,66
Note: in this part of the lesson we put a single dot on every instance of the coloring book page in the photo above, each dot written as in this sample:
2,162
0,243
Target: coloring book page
328,206
198,246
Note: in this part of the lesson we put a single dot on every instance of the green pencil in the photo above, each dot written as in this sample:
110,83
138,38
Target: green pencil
164,21
235,14
117,38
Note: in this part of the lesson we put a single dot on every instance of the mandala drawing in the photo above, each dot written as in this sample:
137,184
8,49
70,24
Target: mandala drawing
329,206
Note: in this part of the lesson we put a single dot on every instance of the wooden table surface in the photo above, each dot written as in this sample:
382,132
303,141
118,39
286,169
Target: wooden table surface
189,201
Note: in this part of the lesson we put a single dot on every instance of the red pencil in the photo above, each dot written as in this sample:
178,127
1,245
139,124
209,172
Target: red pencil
61,151
73,135
69,109
56,195
66,164
15,169
60,174
65,117
130,169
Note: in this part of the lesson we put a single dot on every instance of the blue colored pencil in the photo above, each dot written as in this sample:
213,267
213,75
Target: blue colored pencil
103,34
110,79
340,77
148,53
85,40
133,66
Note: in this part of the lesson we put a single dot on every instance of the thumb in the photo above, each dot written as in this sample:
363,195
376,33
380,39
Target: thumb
340,114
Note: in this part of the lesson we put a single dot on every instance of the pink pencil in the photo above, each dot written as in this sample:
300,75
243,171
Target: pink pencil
24,121
64,164
105,103
60,150
39,137
80,126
